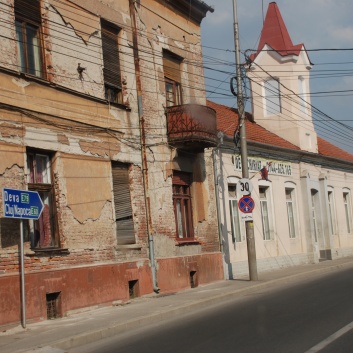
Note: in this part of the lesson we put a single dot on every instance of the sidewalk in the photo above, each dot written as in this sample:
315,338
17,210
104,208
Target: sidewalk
54,336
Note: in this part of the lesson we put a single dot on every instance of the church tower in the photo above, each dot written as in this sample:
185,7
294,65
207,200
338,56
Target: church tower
279,74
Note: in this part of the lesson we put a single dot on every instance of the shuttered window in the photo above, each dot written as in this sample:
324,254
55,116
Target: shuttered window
28,37
28,9
172,76
111,71
182,205
122,201
171,66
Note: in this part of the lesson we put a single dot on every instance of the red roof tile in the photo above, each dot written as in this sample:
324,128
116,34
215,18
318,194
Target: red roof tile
329,150
227,122
275,34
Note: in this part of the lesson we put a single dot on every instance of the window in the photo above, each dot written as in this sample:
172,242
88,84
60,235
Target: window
272,97
234,212
182,205
263,193
28,22
347,210
122,202
331,210
290,212
172,76
302,94
111,71
314,196
42,231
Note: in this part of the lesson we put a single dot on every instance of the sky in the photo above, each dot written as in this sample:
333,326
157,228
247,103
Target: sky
321,25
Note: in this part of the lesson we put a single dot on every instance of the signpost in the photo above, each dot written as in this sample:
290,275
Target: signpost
22,204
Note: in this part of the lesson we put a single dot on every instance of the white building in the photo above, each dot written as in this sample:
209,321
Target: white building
303,212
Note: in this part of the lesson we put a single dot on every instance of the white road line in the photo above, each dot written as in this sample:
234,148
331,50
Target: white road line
330,339
45,349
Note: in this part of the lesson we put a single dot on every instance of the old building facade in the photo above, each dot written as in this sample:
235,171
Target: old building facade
103,113
302,184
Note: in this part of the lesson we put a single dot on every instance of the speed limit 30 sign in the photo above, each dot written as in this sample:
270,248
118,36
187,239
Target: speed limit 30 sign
244,186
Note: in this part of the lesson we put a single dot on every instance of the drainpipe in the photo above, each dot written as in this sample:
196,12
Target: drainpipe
143,147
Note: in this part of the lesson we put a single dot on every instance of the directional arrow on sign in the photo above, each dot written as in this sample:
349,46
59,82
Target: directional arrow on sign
21,204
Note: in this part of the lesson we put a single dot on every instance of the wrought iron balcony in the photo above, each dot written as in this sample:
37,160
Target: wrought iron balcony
191,126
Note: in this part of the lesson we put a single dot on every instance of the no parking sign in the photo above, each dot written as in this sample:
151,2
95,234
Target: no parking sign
246,204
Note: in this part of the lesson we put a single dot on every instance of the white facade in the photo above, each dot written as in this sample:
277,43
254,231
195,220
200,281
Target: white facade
303,212
301,216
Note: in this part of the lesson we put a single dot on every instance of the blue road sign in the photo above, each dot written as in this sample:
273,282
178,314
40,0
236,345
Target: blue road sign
246,204
22,204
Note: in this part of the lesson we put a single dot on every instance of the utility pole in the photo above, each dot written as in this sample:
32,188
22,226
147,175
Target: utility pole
249,225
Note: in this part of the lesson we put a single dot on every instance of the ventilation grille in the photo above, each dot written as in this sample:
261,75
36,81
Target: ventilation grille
53,305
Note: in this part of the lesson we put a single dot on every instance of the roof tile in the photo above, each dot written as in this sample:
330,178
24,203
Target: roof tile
227,122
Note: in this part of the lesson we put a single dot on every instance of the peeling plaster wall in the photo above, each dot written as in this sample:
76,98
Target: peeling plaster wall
160,28
64,115
11,176
8,36
74,40
180,36
87,187
83,33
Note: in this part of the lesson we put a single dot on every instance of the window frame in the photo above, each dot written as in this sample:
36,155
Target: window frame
43,188
291,207
302,94
182,205
272,97
172,77
234,214
175,93
347,209
28,16
266,210
331,209
314,194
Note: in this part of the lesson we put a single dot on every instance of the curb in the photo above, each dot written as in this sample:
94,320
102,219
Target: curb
106,332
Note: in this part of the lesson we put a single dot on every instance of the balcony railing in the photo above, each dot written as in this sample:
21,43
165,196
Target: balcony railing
191,126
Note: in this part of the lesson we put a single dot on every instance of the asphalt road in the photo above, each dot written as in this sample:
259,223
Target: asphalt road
314,315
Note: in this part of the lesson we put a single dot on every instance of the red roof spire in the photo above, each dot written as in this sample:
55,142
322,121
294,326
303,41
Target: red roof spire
275,34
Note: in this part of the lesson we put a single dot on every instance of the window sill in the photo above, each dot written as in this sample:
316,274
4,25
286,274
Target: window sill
48,251
181,242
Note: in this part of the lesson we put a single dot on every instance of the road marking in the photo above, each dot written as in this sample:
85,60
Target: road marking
330,339
47,349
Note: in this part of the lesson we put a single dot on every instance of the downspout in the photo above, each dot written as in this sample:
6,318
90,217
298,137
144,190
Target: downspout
143,146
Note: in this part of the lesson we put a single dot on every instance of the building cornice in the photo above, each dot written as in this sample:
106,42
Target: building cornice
195,10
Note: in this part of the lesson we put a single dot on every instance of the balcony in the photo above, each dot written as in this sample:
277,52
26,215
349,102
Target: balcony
191,127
